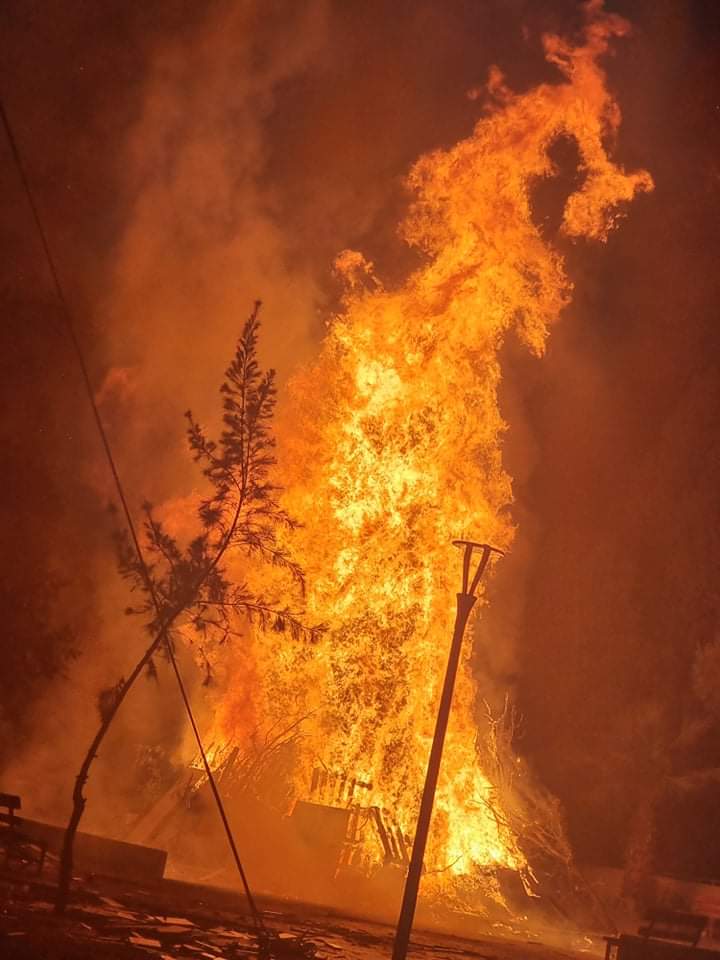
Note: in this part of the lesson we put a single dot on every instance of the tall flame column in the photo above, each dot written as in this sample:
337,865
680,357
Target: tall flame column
465,603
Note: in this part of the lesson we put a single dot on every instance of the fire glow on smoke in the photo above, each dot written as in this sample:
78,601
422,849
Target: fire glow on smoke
390,449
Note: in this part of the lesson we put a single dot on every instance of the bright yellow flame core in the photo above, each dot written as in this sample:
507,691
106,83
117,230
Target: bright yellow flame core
392,447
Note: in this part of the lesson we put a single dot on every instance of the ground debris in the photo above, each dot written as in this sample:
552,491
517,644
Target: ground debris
178,921
139,941
285,946
231,934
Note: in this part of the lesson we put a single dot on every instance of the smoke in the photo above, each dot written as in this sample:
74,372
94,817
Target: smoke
203,239
197,240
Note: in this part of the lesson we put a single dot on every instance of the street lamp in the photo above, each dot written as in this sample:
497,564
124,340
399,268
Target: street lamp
465,602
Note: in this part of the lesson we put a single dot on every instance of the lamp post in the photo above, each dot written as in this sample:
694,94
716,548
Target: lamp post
465,602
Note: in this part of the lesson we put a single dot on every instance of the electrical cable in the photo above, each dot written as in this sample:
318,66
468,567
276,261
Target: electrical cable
80,356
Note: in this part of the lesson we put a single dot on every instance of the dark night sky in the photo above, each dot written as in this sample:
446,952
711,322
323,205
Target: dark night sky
306,124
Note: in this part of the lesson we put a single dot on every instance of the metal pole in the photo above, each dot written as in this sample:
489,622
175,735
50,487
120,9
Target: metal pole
465,603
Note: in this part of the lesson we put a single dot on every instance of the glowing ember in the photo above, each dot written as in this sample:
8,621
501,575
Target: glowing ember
391,448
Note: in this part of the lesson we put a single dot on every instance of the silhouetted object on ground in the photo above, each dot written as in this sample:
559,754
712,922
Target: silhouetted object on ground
20,848
465,603
668,935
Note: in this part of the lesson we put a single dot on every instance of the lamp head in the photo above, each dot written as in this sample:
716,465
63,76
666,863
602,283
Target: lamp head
469,547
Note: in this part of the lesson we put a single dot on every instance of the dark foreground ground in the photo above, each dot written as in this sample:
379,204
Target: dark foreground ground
123,921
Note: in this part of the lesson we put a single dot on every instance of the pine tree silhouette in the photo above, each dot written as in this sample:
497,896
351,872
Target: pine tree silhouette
181,587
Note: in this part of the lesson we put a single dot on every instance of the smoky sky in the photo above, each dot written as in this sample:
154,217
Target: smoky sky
189,158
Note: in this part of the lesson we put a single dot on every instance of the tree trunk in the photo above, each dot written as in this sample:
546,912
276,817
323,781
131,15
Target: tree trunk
79,800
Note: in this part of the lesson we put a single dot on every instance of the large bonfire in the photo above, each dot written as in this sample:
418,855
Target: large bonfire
391,448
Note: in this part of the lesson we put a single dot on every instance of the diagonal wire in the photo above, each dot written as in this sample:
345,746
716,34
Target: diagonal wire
67,318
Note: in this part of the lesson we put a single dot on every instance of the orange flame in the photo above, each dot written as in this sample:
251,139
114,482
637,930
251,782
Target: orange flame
392,447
